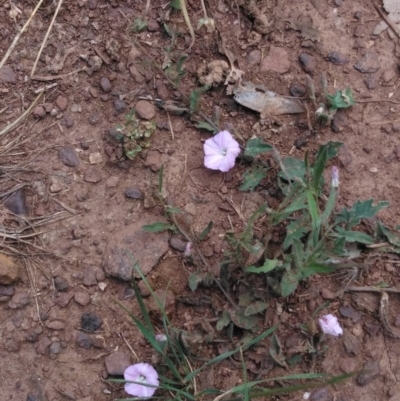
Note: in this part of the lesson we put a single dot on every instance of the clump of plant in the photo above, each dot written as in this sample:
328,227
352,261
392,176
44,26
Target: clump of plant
135,134
317,238
174,370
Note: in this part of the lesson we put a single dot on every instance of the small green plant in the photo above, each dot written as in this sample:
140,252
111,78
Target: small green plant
139,25
135,134
317,239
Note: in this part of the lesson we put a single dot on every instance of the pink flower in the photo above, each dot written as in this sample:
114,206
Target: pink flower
330,325
221,151
335,177
144,375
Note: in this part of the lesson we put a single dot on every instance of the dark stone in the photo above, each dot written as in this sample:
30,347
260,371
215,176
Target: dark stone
84,144
133,193
31,337
358,15
320,394
371,81
338,58
372,329
115,135
6,291
68,122
90,322
349,312
298,90
92,4
368,64
300,142
94,118
68,157
350,343
82,340
307,62
338,2
177,243
339,121
92,175
119,105
369,372
61,283
16,202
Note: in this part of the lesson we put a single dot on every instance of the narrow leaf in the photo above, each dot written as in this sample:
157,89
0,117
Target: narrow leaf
158,227
205,232
205,125
269,265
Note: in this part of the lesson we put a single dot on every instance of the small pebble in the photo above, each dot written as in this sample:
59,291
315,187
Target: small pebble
105,85
90,322
119,106
133,193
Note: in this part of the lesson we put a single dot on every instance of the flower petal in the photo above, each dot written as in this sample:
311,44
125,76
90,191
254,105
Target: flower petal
213,162
227,163
211,147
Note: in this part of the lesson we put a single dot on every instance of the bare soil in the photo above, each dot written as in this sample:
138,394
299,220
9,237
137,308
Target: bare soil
69,177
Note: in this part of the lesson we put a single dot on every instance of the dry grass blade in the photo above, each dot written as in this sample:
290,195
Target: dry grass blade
47,35
15,123
16,39
188,23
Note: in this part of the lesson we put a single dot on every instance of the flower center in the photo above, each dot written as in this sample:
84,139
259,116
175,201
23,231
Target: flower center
224,152
142,378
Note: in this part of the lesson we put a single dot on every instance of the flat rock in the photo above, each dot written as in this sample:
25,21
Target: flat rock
161,88
61,102
61,283
7,75
133,244
68,157
82,298
307,62
9,271
92,175
369,372
145,110
55,325
89,277
298,90
63,299
368,64
19,300
133,193
338,58
83,340
153,160
16,202
116,363
276,61
350,343
371,81
42,346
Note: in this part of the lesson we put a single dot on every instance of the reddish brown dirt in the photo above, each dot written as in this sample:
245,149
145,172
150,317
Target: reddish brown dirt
93,213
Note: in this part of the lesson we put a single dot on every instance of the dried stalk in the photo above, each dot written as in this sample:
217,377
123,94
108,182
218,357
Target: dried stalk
47,35
15,41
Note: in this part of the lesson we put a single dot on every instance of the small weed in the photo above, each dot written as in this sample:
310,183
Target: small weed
317,238
178,370
135,134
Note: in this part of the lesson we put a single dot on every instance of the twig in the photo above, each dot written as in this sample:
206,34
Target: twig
15,41
54,77
101,55
147,8
47,35
377,101
386,19
64,206
188,23
11,126
170,127
373,289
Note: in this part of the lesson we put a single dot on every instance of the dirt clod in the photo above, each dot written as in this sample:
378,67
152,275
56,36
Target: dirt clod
116,363
307,62
61,102
145,110
369,63
277,61
369,372
105,85
90,322
9,271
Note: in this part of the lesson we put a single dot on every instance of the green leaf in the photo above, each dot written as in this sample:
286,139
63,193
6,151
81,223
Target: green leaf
355,236
200,278
158,227
223,321
139,25
289,283
171,209
293,168
176,4
239,319
248,232
255,308
275,351
179,64
360,210
269,265
195,97
392,238
316,268
206,231
205,125
319,167
332,149
251,178
256,146
342,99
295,230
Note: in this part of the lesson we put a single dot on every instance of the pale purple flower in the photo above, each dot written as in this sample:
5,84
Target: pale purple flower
335,177
221,151
161,338
187,250
143,374
330,325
